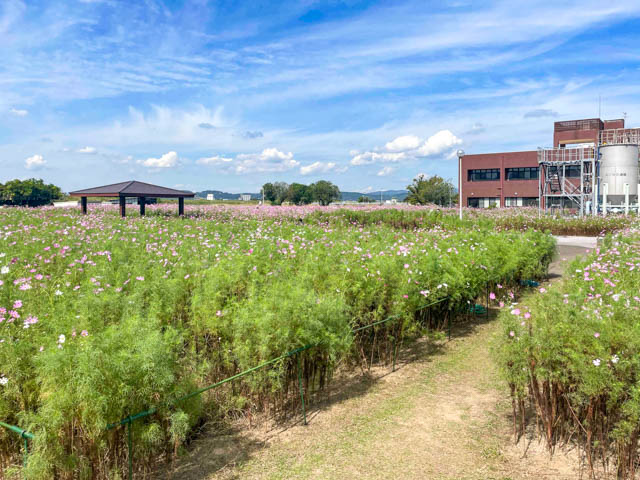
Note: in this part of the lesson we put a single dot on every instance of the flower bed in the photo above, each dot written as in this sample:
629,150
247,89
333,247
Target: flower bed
102,317
573,352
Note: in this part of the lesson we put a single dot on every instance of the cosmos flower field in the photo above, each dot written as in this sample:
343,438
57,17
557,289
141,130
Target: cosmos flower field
572,352
102,317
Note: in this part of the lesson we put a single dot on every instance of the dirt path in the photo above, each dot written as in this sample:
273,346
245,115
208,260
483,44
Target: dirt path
444,414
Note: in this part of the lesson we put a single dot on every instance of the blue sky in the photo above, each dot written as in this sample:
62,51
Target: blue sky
229,95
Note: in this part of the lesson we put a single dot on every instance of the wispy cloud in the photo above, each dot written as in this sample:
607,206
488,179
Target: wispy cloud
19,112
134,79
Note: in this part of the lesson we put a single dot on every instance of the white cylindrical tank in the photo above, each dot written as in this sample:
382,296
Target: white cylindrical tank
619,165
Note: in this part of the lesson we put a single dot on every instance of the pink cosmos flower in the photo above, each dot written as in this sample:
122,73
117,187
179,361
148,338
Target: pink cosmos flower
84,333
597,335
527,315
501,304
515,311
542,289
406,265
140,279
17,304
512,333
219,313
492,296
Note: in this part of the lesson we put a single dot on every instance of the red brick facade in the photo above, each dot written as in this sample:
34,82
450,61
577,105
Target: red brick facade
502,188
565,133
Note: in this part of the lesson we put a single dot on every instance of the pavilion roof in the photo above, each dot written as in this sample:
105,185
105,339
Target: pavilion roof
132,188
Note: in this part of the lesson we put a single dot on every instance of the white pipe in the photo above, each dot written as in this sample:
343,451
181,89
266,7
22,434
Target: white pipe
626,199
605,191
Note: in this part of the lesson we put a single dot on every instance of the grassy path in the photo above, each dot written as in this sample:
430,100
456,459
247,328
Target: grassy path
444,414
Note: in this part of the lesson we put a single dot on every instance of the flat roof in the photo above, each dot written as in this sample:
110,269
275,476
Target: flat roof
132,188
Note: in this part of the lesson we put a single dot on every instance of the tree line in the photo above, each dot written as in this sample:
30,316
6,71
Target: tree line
28,193
322,191
434,189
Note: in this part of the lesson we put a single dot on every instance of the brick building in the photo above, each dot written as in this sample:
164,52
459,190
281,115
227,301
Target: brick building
510,179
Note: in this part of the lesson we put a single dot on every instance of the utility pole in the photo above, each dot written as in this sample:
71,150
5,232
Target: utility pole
460,154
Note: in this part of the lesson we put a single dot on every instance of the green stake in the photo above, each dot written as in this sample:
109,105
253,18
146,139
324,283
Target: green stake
304,413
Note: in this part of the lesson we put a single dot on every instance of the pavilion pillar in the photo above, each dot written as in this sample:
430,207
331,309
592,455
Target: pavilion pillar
83,205
180,205
142,201
123,206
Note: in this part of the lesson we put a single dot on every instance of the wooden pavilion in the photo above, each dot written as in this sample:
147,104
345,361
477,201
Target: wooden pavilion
133,188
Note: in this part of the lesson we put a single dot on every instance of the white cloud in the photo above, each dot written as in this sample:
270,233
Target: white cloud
19,113
404,143
438,143
89,150
270,160
409,147
321,167
385,171
215,160
35,162
368,158
168,160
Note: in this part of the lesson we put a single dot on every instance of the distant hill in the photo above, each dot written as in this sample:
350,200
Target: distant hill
399,195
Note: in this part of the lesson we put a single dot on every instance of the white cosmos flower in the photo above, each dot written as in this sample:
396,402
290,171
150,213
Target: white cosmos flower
58,292
4,380
61,339
4,270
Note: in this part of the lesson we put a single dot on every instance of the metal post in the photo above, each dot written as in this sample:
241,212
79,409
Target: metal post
181,206
460,154
304,412
582,185
83,203
626,199
142,201
130,445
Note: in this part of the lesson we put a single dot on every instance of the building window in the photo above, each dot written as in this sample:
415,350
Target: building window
521,173
521,202
483,202
485,174
570,171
